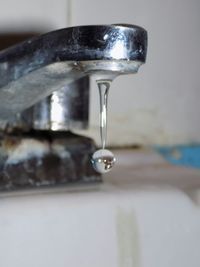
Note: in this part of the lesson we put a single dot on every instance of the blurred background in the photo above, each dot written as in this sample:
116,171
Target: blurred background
159,105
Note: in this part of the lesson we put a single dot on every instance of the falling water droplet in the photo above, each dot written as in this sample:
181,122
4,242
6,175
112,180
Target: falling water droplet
103,160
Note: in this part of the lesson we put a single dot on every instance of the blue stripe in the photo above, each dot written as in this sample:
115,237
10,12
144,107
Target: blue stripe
186,155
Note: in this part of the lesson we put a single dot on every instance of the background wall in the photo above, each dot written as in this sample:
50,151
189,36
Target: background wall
33,15
161,103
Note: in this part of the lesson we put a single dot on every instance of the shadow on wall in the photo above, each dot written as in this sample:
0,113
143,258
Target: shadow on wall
9,39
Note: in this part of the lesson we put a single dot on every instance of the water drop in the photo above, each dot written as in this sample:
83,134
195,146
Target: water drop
103,160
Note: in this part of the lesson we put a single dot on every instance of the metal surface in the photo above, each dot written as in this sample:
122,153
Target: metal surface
65,109
34,69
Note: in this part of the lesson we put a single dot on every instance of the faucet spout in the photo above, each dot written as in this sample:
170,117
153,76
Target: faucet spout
32,70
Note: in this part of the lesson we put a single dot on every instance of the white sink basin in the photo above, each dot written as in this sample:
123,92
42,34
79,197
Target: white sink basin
145,215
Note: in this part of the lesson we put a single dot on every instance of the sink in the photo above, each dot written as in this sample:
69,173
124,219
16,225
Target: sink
144,215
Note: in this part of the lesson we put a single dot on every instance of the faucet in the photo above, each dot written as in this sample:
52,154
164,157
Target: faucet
32,70
44,88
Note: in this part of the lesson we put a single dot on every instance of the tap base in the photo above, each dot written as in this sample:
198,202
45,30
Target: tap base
45,159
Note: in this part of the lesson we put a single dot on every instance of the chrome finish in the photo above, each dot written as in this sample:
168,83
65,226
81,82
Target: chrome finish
32,70
65,109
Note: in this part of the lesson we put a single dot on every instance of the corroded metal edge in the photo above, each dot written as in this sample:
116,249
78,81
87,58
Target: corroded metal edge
47,159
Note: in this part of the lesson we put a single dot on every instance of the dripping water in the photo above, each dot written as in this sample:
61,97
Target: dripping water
103,159
103,95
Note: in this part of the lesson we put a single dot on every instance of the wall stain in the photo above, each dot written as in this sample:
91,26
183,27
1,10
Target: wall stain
128,239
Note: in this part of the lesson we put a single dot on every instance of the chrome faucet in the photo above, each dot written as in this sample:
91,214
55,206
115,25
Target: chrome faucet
33,70
44,93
